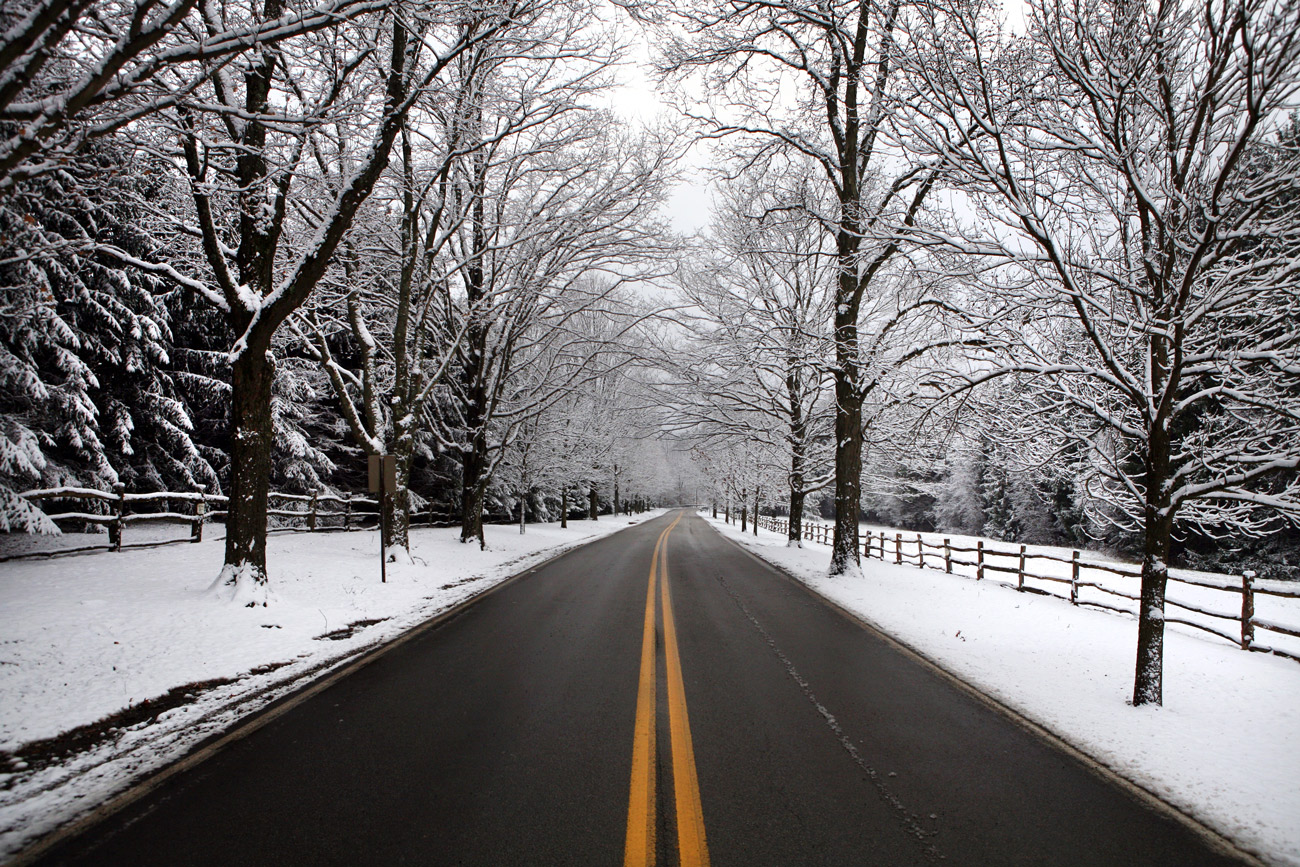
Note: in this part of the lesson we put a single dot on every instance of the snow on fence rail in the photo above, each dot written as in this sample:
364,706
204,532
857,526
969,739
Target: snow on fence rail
316,512
1192,602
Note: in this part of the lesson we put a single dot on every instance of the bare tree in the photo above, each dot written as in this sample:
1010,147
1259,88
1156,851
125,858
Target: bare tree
536,352
816,80
392,296
757,307
76,70
268,224
558,208
589,439
531,464
1120,158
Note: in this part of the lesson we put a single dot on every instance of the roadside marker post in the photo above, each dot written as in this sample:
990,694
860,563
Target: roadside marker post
383,480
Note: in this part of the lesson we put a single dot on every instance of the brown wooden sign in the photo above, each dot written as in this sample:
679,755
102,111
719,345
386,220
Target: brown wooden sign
387,465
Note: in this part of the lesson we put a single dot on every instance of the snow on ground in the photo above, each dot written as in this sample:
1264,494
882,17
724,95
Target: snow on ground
1223,747
85,636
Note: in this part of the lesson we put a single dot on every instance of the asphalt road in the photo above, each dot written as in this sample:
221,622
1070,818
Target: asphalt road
774,731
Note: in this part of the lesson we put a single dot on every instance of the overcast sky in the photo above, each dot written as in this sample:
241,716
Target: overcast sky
637,100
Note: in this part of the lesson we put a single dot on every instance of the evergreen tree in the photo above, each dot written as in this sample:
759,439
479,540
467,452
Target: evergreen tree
87,393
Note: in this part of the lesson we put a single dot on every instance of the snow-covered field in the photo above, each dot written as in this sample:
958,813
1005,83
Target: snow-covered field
1223,748
84,637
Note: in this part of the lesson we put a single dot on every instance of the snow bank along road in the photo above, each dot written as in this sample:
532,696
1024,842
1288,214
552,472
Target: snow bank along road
656,697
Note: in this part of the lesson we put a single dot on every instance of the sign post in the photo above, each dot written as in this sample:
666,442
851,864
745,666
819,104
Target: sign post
383,480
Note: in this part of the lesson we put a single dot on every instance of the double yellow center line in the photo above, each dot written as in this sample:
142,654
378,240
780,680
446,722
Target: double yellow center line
639,851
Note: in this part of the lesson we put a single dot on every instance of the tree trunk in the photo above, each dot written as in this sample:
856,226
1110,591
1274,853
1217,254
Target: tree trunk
1149,675
564,507
615,490
398,517
797,497
523,505
757,501
848,433
798,451
397,507
473,466
794,538
715,510
593,503
744,509
472,375
1158,528
250,467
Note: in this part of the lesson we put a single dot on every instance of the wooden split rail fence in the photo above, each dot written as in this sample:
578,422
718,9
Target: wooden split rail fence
916,551
303,512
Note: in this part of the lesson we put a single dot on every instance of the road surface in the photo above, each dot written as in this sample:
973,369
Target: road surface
656,697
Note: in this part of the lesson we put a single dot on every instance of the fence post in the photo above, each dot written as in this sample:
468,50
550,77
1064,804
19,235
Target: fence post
1247,609
920,552
882,546
347,510
200,511
898,548
1074,578
311,513
1020,573
119,523
947,556
979,560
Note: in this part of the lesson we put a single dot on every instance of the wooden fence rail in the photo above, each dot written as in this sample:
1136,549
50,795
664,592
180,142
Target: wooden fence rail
912,551
316,512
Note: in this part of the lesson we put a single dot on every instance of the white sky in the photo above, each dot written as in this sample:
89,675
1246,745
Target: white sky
637,101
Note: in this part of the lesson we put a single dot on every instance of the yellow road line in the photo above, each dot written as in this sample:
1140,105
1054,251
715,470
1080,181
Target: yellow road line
639,848
693,850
